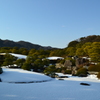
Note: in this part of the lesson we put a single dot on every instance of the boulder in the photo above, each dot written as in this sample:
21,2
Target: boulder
85,84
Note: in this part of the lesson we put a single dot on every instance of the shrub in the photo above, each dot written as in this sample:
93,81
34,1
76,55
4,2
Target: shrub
26,66
1,71
50,69
82,71
98,76
68,72
59,70
94,68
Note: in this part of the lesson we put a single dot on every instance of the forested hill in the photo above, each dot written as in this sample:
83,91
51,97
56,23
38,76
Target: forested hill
22,44
83,40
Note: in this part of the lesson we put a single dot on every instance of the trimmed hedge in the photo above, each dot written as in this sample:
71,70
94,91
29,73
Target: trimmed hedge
82,71
94,68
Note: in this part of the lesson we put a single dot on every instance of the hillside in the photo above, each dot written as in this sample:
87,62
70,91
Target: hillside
24,44
83,40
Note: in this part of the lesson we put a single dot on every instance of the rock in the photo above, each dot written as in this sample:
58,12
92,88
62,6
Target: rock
82,75
0,80
85,84
63,76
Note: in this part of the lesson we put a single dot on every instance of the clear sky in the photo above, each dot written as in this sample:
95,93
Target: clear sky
49,22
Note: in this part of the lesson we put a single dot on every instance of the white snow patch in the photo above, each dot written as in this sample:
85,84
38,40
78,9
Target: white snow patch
19,56
54,58
67,89
20,75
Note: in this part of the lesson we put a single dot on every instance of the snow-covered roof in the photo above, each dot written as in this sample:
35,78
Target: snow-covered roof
54,58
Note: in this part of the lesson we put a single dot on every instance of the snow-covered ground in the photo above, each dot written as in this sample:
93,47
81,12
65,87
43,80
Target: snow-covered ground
67,89
19,56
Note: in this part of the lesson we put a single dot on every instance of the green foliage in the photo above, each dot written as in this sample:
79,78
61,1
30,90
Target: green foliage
73,43
80,52
82,71
67,72
37,62
19,62
9,59
70,51
26,66
95,57
62,61
50,69
57,52
58,70
94,68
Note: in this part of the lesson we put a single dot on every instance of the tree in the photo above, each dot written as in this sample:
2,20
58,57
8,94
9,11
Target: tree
70,51
26,66
86,49
73,43
32,51
23,51
80,52
50,70
38,65
95,57
9,59
20,62
15,50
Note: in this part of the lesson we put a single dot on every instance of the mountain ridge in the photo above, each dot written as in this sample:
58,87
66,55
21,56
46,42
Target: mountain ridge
23,44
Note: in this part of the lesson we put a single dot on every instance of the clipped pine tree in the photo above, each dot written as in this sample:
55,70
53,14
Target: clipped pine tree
26,66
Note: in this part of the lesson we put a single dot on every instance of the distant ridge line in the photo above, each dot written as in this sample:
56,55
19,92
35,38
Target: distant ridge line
23,44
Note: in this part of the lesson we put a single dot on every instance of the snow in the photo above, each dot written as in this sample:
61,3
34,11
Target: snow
67,89
20,75
54,58
19,56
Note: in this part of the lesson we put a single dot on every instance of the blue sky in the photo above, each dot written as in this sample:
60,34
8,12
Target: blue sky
49,22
